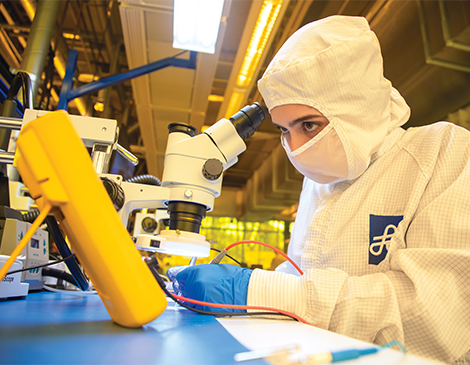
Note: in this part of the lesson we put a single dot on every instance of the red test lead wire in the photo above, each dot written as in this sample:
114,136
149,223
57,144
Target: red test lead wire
269,246
219,257
246,307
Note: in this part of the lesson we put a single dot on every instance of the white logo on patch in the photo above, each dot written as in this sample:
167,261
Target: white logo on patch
382,240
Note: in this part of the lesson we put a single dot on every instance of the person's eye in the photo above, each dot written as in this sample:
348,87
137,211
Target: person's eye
309,126
282,129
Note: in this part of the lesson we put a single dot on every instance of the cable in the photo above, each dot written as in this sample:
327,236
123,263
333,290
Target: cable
78,293
268,311
152,264
230,257
39,266
30,216
144,179
59,274
269,246
45,211
61,244
221,314
394,343
21,80
221,255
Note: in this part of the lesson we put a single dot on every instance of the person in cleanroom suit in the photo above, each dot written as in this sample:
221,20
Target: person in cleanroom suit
383,226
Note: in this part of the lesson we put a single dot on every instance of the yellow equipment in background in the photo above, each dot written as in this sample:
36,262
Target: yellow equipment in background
57,169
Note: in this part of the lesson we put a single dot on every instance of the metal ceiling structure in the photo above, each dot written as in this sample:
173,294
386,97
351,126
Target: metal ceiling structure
425,45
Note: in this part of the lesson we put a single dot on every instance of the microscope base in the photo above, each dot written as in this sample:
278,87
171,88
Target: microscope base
175,242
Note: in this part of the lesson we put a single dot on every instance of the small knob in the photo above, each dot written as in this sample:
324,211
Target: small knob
212,169
115,192
149,224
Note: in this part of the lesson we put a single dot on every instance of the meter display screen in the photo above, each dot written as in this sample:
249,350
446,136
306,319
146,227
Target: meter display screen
34,243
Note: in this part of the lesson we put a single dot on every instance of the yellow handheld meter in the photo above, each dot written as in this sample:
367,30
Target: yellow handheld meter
57,169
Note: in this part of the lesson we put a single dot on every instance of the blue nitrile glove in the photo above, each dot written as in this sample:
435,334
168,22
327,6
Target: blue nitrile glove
171,273
223,284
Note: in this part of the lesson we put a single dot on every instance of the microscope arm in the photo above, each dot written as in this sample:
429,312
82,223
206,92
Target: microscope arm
139,196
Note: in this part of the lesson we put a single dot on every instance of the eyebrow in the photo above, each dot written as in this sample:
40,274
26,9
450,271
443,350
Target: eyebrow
294,122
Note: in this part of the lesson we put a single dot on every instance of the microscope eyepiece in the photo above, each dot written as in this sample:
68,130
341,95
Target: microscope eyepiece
183,128
248,119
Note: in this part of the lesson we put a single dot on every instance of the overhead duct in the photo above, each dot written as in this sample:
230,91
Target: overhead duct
39,39
58,42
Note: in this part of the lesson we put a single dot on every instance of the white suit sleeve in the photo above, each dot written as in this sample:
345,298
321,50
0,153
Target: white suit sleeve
359,307
385,306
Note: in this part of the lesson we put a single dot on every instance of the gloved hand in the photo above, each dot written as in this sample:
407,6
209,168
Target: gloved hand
224,284
171,273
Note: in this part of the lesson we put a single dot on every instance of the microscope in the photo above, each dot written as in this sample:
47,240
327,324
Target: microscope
192,179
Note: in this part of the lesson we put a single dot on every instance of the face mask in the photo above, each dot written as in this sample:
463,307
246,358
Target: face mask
322,159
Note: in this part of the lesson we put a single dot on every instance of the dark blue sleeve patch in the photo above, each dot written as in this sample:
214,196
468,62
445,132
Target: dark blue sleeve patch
381,230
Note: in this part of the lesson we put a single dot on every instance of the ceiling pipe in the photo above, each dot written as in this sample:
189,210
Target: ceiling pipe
39,40
111,49
58,43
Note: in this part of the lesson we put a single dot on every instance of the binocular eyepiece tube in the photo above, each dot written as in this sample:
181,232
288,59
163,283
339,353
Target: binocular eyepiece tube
248,119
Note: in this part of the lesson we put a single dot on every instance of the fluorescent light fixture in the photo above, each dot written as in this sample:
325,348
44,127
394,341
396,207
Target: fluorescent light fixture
54,95
264,25
234,104
60,67
87,78
80,106
71,36
196,24
259,38
216,98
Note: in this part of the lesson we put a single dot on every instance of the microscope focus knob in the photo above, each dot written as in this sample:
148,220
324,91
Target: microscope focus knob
212,169
115,192
149,224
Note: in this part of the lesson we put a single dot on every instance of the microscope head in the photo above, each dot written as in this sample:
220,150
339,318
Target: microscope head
206,156
192,178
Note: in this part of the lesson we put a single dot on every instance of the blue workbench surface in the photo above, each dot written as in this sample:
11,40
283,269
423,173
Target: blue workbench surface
50,328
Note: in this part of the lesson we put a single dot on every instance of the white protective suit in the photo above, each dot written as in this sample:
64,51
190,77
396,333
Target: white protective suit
386,252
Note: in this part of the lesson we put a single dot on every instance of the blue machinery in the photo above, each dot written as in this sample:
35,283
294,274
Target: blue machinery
68,93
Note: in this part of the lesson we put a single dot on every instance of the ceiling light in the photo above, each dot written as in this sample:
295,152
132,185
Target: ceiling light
54,95
216,98
234,104
264,25
80,106
99,106
60,67
71,36
87,78
196,24
259,38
